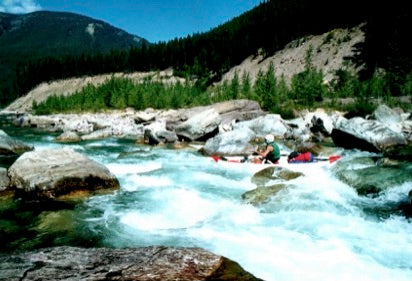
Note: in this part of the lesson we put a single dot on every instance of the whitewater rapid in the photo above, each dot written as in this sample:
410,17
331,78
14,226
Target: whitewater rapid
317,229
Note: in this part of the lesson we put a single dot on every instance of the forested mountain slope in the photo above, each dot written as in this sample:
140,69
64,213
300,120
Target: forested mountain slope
29,37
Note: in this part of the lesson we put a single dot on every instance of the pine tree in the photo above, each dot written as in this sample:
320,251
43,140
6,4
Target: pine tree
234,87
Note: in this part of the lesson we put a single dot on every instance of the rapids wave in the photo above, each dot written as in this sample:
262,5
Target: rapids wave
321,229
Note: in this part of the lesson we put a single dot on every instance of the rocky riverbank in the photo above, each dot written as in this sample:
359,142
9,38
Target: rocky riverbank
230,128
149,263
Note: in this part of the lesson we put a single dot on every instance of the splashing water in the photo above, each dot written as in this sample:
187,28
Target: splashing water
316,229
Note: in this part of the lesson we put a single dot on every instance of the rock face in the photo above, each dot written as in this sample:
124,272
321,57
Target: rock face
56,172
10,146
150,263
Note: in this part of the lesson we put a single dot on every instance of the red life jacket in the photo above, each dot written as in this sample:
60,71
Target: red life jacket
303,157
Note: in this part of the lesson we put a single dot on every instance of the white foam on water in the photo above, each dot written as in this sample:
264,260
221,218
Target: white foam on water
396,193
280,252
178,208
103,143
207,178
315,229
138,168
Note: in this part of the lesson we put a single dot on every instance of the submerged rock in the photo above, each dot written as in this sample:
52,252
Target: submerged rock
149,263
53,173
368,178
269,181
266,175
262,194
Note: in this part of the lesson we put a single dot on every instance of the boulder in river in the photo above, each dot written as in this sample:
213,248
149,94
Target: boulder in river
369,135
53,173
149,264
11,146
68,137
368,177
262,194
200,126
274,173
236,142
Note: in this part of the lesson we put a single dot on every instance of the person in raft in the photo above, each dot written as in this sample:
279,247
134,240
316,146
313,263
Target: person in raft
296,157
271,154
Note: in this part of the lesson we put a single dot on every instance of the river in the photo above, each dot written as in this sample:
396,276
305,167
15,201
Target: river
319,230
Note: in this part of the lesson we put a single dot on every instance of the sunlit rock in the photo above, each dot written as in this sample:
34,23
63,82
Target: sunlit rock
157,132
68,137
200,126
52,173
389,117
149,264
98,134
268,124
369,135
238,110
236,142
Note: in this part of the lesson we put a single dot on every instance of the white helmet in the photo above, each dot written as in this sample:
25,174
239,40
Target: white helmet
269,138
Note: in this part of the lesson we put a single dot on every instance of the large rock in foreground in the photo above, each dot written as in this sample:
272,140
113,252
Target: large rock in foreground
150,263
53,173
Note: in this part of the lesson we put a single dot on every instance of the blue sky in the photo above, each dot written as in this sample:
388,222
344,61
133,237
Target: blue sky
154,20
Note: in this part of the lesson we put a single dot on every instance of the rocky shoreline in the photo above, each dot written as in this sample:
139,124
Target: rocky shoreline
236,122
148,263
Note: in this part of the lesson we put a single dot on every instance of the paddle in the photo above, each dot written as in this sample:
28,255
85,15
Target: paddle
331,159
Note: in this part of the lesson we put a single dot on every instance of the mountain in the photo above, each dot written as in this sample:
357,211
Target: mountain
55,33
38,35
